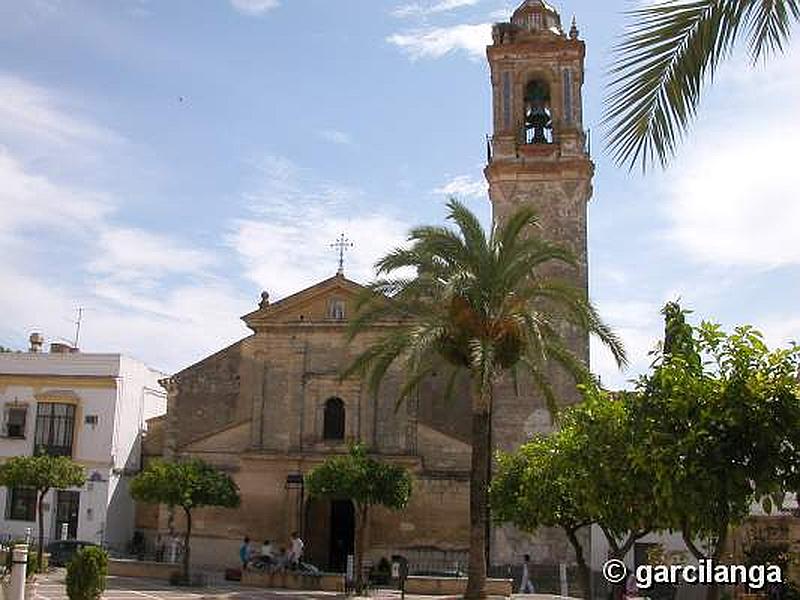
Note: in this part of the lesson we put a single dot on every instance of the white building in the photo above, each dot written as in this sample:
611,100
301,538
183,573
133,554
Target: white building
91,407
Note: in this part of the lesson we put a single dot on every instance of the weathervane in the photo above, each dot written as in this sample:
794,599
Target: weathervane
341,244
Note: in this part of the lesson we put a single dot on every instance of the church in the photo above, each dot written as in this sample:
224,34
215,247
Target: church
272,406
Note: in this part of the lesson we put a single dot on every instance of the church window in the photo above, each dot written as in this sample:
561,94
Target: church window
333,424
336,309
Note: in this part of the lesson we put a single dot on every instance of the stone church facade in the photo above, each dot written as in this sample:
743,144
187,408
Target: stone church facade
272,406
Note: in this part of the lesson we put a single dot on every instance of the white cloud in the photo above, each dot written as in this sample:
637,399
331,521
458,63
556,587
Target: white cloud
33,204
440,41
638,323
128,253
63,246
31,112
732,194
336,137
464,186
419,9
285,245
254,7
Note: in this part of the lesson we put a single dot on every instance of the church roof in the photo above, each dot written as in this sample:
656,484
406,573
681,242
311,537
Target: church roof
275,312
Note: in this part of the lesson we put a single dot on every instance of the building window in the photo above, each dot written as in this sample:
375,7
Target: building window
15,421
333,426
21,504
336,310
55,424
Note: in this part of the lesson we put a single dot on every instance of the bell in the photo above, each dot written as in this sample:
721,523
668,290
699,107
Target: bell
538,119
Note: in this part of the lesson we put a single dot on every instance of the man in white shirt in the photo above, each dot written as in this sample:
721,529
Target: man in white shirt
296,550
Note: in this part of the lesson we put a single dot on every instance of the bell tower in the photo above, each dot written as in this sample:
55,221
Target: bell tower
537,156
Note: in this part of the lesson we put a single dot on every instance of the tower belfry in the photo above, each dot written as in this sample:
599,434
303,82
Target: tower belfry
538,157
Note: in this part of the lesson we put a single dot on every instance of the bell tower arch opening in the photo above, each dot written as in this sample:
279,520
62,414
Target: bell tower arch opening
538,114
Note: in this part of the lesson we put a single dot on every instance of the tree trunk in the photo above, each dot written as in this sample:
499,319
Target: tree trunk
478,496
713,590
361,525
40,516
584,573
186,539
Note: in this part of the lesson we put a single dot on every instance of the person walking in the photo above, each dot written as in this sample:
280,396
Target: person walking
244,553
526,585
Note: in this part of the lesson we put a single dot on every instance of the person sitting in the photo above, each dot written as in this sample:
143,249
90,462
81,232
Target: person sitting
281,560
267,549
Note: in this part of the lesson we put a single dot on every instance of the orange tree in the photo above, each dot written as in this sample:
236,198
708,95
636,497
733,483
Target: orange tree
188,484
41,473
366,482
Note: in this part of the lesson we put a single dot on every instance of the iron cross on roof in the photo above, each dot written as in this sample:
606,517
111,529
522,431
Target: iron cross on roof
341,244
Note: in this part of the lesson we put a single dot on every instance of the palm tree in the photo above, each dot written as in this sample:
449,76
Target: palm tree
664,59
462,301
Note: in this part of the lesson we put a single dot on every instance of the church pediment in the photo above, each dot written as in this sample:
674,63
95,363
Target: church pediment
328,302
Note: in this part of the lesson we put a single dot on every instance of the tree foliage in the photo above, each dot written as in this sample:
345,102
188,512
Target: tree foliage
187,484
479,304
366,482
41,473
670,51
582,474
719,418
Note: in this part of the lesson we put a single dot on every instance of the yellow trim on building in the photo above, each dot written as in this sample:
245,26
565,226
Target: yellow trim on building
37,382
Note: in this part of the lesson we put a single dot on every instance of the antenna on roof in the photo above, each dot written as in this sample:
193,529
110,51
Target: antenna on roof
80,310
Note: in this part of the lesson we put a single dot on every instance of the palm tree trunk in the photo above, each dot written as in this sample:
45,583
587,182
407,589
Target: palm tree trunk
186,545
361,525
40,516
478,496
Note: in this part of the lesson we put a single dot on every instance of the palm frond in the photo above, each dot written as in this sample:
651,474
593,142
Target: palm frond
769,22
658,75
469,226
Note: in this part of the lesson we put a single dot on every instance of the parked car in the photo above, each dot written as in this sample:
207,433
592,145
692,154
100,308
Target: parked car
62,551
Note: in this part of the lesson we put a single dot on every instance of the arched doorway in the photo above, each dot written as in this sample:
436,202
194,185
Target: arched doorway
330,533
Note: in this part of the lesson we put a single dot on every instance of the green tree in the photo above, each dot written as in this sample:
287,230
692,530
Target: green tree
41,473
479,304
537,487
665,58
719,424
584,473
188,484
366,482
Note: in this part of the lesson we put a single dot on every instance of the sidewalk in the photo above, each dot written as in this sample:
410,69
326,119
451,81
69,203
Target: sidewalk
52,587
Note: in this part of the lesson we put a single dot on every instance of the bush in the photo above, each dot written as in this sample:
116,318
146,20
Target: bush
86,574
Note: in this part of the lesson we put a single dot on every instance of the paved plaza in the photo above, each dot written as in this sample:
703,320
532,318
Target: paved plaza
52,587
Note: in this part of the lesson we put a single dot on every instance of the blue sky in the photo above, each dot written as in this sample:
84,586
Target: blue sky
163,162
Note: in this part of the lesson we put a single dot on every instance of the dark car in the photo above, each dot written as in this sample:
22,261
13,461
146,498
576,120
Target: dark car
62,551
